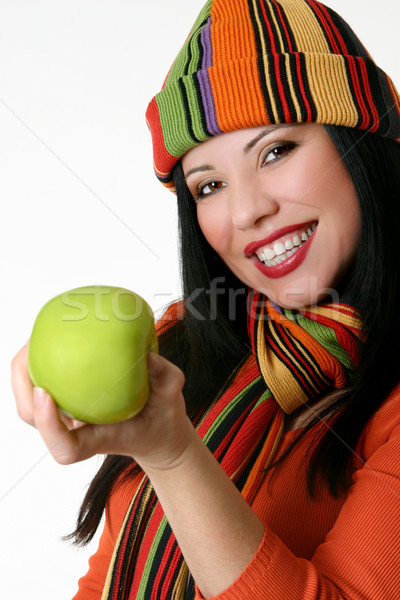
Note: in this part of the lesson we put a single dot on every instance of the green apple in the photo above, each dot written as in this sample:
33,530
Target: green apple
88,350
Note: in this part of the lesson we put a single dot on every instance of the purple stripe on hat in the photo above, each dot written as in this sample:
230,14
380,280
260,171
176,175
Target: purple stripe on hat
205,38
204,81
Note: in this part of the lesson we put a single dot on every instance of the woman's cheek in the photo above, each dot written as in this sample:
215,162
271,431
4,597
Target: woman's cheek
211,223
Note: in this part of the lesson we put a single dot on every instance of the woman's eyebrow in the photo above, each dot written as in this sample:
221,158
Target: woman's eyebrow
266,131
198,169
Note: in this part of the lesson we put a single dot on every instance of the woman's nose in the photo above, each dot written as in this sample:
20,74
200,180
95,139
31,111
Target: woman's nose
250,205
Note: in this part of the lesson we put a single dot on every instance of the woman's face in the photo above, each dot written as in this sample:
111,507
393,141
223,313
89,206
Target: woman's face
278,206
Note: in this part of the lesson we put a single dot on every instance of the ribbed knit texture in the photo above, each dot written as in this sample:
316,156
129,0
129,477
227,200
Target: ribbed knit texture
297,355
249,63
314,548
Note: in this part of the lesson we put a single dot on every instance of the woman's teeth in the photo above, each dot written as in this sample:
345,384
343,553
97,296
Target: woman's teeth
280,251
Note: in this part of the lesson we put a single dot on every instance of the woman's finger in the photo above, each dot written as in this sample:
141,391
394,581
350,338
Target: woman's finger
62,442
68,440
165,423
166,379
156,432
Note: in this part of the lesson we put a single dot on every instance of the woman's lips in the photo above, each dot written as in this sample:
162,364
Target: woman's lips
289,264
276,235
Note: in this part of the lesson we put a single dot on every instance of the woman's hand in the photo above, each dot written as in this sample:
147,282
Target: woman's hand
156,438
216,529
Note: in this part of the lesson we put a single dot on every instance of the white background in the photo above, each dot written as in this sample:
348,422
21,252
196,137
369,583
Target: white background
80,205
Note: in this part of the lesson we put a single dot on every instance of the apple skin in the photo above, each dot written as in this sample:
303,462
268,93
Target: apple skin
88,350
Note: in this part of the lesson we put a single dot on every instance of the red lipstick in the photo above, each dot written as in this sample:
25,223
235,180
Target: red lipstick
288,265
274,235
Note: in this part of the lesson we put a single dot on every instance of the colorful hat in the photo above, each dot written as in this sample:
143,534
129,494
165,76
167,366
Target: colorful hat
248,63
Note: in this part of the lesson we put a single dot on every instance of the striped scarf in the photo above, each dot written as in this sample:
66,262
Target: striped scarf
297,356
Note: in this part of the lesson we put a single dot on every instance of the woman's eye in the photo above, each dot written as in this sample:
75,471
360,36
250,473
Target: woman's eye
278,152
209,188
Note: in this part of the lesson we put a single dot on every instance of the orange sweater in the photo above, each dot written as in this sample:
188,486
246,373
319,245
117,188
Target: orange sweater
313,549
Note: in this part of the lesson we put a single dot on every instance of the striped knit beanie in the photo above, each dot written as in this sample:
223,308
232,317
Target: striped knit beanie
248,63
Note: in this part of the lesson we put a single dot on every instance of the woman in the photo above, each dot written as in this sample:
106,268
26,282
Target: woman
275,473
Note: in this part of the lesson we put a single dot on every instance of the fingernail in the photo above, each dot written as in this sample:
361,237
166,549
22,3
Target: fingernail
154,364
39,396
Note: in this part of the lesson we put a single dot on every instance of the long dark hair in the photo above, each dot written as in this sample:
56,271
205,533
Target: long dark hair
211,339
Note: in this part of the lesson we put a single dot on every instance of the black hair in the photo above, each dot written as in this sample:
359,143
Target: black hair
211,339
373,288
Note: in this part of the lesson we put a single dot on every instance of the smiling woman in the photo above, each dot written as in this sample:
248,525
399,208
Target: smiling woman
266,461
279,208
